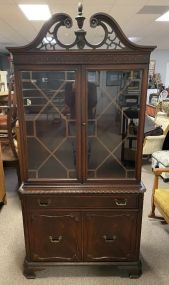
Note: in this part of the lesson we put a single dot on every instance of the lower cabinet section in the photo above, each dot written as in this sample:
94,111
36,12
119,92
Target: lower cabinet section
82,235
92,236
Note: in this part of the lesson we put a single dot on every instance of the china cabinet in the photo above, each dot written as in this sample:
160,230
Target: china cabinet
81,198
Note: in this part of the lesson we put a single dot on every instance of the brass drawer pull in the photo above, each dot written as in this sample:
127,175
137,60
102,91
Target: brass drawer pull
44,203
120,202
109,239
55,240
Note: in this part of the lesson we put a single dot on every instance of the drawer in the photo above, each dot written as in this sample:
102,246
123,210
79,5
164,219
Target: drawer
119,201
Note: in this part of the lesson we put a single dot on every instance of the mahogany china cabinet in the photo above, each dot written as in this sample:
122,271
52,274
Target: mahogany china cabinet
81,109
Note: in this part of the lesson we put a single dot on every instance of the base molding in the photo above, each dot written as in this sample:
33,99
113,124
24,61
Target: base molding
133,269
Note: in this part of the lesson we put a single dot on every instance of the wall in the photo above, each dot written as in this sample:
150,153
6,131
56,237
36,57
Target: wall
162,64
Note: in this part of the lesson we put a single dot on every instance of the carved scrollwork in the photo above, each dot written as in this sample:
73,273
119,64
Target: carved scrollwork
112,35
50,40
111,40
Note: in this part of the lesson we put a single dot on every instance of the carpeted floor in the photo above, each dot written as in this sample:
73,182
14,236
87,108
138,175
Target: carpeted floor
154,248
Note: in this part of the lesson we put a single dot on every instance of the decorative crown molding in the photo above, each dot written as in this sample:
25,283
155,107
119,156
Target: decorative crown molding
113,37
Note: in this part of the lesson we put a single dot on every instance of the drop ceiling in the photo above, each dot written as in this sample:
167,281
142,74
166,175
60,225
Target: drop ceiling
135,17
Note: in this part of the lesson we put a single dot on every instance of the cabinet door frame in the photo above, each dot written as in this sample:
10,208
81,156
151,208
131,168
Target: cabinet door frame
55,238
116,67
23,146
112,236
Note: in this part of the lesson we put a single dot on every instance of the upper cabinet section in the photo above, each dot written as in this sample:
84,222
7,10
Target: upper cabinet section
81,103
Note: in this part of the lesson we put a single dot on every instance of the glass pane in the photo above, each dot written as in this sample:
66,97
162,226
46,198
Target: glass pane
113,111
49,105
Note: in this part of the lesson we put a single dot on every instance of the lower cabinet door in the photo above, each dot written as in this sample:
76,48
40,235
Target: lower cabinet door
55,236
111,236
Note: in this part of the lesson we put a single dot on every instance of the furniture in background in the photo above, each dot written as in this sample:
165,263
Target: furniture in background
165,106
152,96
8,137
3,82
153,143
2,181
160,159
4,98
150,110
129,133
152,100
73,177
153,105
160,197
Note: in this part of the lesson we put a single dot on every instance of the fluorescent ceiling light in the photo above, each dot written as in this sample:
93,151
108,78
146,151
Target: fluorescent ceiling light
134,39
164,17
35,12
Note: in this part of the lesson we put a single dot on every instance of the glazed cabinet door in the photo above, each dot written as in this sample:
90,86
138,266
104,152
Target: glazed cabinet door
53,140
110,236
55,236
113,103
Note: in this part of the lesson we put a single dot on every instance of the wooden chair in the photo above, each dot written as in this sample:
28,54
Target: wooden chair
2,180
8,141
160,197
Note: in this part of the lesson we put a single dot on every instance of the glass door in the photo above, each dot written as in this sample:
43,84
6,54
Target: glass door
77,131
50,111
113,118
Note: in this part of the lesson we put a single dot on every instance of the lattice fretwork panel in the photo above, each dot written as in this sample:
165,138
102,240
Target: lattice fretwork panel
113,123
49,113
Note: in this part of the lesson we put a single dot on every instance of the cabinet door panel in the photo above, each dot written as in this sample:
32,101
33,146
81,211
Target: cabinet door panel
110,236
113,119
50,104
55,236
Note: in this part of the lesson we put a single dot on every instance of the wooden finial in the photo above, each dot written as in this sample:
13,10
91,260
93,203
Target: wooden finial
79,18
80,8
